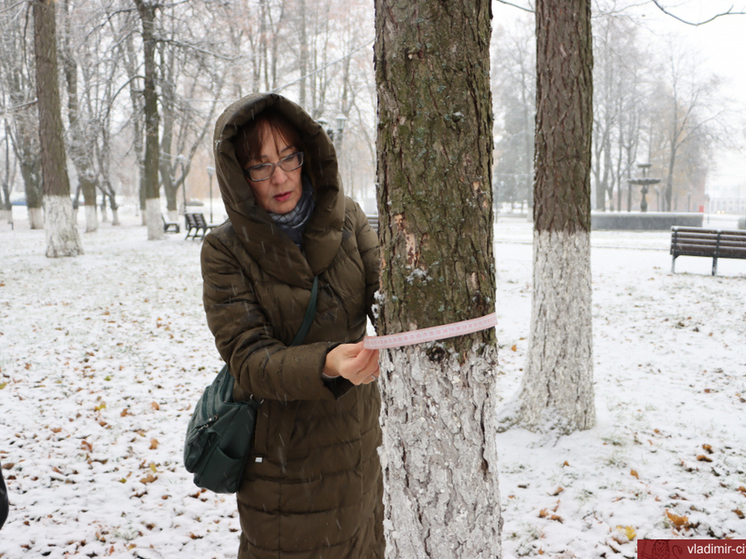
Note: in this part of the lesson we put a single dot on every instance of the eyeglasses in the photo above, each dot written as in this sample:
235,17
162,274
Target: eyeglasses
266,170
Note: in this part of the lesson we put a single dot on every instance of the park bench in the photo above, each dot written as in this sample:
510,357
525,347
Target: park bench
170,226
710,243
373,222
196,225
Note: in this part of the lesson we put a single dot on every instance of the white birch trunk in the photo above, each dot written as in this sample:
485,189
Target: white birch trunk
91,219
439,457
153,219
62,235
557,389
36,218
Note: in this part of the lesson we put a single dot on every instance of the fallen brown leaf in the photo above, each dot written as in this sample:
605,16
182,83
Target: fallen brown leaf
679,522
150,478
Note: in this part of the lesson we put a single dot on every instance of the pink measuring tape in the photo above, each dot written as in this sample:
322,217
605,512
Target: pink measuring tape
432,334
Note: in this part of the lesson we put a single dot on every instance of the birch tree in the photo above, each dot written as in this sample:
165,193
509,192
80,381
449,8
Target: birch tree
557,388
434,150
62,235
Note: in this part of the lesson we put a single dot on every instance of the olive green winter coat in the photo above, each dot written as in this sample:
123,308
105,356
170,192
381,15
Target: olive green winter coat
312,487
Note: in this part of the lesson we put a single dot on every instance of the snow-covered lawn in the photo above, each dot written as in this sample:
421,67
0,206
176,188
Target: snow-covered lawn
102,357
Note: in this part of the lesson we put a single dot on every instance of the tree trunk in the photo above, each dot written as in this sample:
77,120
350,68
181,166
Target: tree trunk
668,190
152,198
557,388
7,207
27,150
130,65
62,235
81,150
436,222
168,108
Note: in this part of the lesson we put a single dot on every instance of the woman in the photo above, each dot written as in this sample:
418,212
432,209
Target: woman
312,487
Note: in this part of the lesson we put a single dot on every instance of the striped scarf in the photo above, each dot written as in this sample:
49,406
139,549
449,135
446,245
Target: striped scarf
294,222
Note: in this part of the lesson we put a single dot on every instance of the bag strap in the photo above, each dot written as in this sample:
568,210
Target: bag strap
310,313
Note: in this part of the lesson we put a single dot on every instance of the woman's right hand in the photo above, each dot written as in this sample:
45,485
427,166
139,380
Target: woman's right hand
353,362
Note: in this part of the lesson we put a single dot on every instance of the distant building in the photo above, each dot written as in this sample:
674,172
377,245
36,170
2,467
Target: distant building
729,200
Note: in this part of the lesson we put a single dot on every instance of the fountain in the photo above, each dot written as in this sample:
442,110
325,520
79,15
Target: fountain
645,182
643,220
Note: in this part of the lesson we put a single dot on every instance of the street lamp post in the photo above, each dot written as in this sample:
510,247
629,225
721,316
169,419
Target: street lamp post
210,173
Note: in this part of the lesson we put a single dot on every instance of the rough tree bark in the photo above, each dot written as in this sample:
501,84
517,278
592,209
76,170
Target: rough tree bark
436,230
62,235
557,388
152,145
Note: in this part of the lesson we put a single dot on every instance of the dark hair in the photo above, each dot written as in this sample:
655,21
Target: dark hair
251,135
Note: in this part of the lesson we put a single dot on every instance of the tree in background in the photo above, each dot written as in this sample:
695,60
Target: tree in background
620,100
62,235
436,219
20,114
688,122
556,392
81,151
514,84
153,218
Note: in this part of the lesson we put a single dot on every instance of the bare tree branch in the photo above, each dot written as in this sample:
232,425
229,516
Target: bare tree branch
9,8
529,10
196,48
695,23
278,89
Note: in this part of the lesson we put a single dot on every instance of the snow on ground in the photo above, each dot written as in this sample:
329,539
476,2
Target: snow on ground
102,357
667,457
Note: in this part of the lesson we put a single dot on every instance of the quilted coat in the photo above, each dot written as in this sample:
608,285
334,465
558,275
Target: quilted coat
312,487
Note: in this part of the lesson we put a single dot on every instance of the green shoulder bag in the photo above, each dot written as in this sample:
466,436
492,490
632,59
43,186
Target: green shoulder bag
221,432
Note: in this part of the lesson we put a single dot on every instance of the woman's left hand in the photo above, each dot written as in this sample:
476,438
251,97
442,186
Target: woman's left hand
353,362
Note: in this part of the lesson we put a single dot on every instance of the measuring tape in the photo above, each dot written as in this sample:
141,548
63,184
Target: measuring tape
432,334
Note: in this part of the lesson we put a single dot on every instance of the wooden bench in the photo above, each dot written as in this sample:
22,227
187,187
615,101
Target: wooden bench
710,243
170,226
196,226
373,222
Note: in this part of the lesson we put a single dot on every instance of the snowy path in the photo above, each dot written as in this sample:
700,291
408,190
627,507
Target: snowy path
103,356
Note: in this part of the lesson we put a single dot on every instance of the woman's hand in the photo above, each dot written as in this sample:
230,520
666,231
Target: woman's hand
353,362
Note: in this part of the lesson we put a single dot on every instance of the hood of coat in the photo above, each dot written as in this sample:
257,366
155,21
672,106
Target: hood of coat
275,252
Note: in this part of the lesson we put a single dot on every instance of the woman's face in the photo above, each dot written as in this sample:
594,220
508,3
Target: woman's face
281,192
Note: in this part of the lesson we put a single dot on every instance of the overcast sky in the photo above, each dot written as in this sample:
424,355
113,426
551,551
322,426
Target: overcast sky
721,44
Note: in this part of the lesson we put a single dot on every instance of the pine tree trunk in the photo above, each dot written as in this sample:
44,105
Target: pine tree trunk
62,235
557,388
436,232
